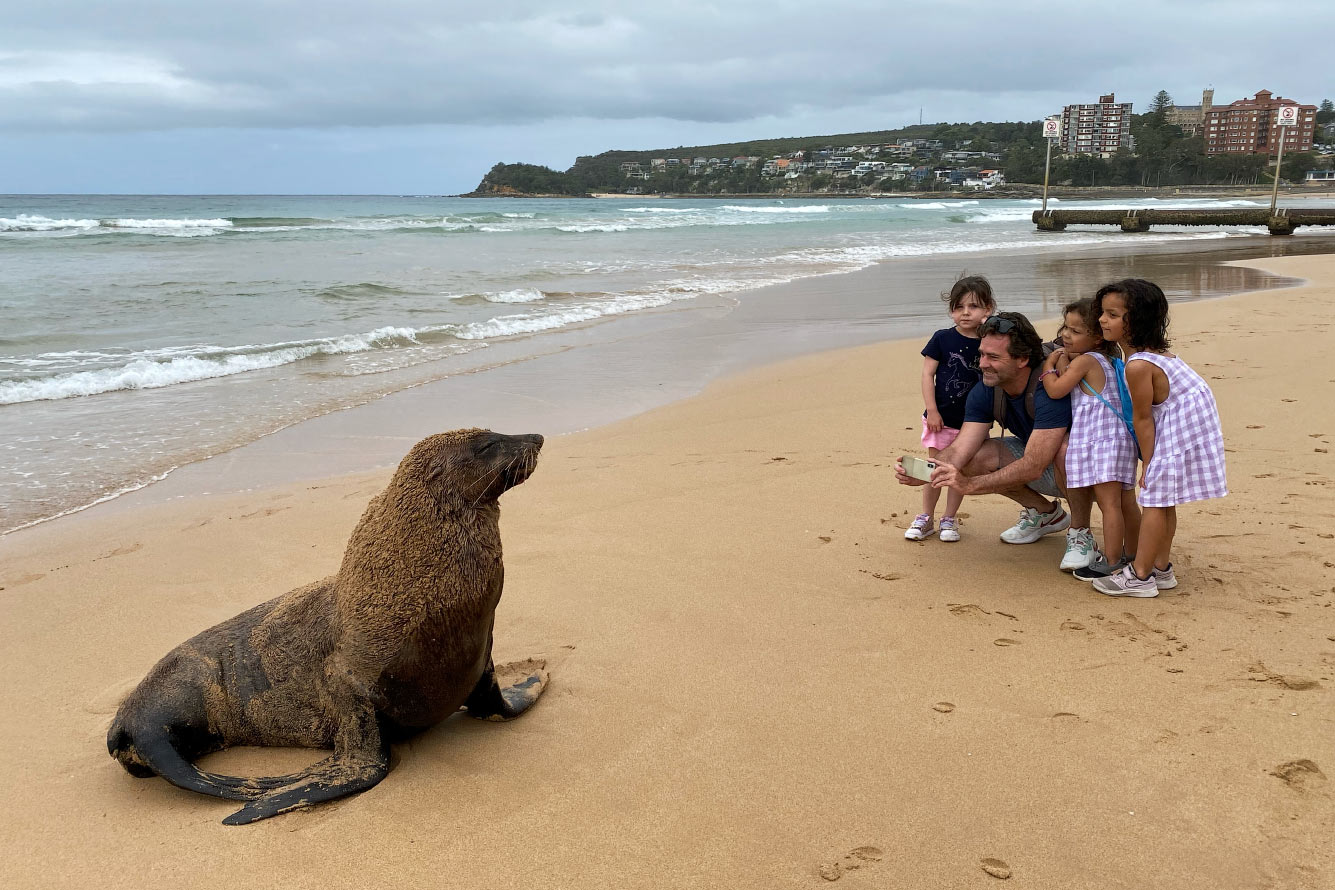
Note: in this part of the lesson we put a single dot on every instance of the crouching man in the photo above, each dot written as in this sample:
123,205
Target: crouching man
1027,465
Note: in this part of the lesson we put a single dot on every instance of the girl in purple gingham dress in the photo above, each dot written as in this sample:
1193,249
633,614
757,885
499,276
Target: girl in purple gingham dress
1188,461
1100,452
1177,425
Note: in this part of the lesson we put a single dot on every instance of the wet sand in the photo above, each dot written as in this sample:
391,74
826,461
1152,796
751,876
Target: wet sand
756,682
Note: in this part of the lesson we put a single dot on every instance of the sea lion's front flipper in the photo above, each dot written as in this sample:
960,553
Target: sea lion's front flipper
360,760
523,682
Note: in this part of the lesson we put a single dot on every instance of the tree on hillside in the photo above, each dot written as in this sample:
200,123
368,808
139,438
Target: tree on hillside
1161,102
1297,164
1326,113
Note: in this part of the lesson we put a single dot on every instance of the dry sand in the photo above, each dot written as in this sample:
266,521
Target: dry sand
756,682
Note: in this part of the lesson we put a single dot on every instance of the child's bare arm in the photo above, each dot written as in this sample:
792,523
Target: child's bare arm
1140,383
929,366
1068,378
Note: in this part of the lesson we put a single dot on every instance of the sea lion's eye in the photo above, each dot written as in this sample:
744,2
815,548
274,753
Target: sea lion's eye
487,447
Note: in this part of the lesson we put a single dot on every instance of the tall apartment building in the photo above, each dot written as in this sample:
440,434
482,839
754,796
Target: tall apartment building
1096,129
1248,126
1191,118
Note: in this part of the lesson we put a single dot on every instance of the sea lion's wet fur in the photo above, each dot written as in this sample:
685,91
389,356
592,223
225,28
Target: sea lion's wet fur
396,641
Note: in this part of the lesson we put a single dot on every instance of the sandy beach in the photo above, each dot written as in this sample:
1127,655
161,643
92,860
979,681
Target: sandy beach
756,682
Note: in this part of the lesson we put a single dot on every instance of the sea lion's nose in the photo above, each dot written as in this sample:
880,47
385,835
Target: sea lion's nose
535,439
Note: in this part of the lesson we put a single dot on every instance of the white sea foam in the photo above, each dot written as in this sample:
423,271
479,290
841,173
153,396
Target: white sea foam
519,295
168,223
159,368
604,227
937,205
28,223
796,208
533,323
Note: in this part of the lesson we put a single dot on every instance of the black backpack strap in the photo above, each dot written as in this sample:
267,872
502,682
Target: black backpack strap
999,399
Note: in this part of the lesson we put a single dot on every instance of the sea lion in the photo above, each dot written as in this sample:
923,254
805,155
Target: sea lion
398,640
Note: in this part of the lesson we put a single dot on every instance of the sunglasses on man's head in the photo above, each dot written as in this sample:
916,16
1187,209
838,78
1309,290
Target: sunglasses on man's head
996,325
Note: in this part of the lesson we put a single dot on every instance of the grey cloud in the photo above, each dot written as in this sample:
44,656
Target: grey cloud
252,64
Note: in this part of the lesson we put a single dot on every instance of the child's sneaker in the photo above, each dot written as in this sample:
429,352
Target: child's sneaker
920,528
1164,579
1080,549
1127,583
1099,568
1034,525
950,529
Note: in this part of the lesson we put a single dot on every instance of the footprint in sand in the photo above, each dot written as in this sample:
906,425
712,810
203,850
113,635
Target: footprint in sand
122,551
1300,775
967,610
1262,674
996,868
944,707
857,858
26,578
1005,642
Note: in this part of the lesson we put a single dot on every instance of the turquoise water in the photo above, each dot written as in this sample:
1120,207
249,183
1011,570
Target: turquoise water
141,333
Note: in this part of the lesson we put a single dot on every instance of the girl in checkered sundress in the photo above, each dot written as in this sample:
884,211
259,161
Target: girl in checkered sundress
1177,425
1100,453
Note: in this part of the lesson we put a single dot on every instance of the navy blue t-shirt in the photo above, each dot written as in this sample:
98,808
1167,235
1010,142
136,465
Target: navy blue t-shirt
956,372
1049,413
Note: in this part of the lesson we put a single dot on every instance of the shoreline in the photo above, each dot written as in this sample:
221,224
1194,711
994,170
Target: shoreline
769,323
755,681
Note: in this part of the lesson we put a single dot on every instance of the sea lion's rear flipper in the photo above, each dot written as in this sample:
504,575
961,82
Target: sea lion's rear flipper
360,760
145,746
524,682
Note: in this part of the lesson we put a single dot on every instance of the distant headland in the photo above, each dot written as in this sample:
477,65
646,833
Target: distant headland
1003,159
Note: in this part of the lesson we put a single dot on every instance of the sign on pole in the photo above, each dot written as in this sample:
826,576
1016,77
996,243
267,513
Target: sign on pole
1288,115
1052,127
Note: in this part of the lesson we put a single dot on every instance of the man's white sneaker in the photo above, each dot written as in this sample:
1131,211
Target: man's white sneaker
950,529
1080,549
920,528
1034,525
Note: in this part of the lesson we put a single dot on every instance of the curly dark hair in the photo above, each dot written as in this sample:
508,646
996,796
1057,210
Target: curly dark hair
1024,340
1084,307
970,284
1146,312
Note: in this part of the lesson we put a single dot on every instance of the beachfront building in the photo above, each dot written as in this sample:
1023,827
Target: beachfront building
1248,126
1099,128
1191,118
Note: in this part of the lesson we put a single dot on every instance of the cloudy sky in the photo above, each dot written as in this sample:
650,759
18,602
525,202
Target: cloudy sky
423,96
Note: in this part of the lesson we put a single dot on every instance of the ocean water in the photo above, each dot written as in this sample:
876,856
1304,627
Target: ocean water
140,333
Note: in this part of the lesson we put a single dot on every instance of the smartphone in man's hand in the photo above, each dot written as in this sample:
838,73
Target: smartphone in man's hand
918,467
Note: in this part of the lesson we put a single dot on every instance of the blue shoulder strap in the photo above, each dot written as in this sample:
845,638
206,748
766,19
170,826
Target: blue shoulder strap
1119,377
